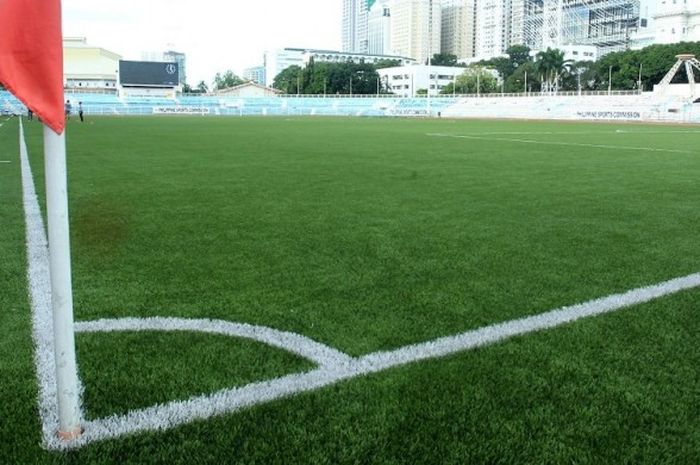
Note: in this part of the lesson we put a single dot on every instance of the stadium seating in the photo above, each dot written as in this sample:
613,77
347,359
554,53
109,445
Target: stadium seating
644,107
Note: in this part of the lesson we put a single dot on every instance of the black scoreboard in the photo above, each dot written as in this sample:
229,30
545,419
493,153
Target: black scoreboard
148,73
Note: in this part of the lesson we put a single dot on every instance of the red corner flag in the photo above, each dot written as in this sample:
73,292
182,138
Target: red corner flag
31,57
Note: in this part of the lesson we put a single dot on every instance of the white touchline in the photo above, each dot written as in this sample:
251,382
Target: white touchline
333,365
4,161
568,144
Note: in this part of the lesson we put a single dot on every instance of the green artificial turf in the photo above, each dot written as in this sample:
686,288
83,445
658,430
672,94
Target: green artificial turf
366,235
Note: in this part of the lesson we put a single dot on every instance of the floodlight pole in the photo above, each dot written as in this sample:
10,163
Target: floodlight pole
610,81
61,287
430,52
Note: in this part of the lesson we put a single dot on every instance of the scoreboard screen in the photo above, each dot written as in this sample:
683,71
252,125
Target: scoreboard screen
148,73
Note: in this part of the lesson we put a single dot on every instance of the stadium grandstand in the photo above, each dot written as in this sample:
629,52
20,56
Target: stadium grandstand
147,92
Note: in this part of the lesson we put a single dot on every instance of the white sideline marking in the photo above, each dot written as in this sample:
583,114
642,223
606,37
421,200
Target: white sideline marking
5,161
569,144
625,131
334,365
574,133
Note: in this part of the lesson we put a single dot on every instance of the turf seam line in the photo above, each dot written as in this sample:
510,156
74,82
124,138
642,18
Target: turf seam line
567,144
39,283
172,414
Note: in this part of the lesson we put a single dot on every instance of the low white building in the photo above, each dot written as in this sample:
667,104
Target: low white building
88,67
579,52
406,81
249,89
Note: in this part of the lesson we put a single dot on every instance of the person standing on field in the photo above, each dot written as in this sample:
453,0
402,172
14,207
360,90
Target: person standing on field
68,107
80,111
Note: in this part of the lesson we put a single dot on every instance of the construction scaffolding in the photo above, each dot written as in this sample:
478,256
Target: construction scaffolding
606,24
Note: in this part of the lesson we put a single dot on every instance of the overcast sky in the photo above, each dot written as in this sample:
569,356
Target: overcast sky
216,35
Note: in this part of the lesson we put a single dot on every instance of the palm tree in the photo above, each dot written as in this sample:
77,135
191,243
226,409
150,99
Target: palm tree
551,65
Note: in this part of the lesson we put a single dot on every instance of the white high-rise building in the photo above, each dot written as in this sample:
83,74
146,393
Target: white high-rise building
255,74
416,28
493,20
278,60
646,32
526,23
677,21
457,28
354,25
379,27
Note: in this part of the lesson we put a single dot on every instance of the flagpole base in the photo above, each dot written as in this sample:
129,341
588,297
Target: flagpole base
70,435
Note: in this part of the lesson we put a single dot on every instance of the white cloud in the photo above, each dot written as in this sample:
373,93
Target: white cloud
215,35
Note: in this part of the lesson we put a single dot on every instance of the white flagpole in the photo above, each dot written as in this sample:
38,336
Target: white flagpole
61,288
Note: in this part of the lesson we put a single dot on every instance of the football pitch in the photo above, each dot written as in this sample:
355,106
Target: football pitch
367,236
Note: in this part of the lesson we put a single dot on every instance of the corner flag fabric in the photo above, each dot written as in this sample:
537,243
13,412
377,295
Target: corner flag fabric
31,57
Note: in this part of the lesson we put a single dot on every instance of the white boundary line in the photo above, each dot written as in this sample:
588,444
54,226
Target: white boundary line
334,365
566,144
572,133
322,355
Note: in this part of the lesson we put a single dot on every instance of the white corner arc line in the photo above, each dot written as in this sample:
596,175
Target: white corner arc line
565,144
172,414
292,342
335,366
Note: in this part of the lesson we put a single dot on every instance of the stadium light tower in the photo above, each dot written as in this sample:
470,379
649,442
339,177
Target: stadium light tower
430,52
690,62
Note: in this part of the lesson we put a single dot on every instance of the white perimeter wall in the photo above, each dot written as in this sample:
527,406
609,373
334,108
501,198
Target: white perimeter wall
647,107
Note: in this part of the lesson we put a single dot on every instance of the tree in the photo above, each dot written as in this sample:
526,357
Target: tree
503,65
518,55
387,64
473,80
329,78
443,59
289,80
581,73
552,66
202,87
525,75
226,80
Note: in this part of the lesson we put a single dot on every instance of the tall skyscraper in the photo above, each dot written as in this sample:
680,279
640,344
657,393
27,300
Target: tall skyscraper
354,25
458,28
526,23
379,27
416,28
493,21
